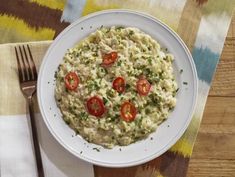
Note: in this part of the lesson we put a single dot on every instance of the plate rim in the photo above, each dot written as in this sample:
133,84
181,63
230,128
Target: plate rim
179,133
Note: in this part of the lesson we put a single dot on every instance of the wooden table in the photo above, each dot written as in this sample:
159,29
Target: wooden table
214,150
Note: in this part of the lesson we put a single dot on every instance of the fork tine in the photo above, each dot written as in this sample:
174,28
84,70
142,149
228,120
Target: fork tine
33,64
21,76
25,68
30,71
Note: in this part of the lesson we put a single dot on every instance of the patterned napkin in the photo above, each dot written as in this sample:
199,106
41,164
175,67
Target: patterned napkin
202,24
16,153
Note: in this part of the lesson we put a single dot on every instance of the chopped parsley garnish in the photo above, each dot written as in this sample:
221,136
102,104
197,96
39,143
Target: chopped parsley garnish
55,75
185,83
96,149
108,29
128,86
181,71
131,32
119,28
147,111
119,63
105,100
150,61
67,121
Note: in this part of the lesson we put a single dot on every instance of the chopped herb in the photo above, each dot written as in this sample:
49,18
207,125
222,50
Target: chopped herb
67,121
86,47
147,111
127,86
108,29
168,125
147,71
119,63
48,82
105,100
131,32
50,108
110,93
83,116
177,90
120,149
90,26
81,28
181,71
55,75
54,115
101,26
142,132
151,138
119,28
106,71
161,75
185,83
113,118
95,54
96,149
81,152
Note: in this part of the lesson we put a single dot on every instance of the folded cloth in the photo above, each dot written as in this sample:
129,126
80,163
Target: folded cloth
16,150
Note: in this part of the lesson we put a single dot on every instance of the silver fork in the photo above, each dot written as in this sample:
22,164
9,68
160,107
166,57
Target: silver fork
28,83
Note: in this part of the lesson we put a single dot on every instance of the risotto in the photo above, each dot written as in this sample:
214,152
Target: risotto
116,86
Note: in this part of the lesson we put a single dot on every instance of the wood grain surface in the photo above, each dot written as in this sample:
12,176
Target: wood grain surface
214,150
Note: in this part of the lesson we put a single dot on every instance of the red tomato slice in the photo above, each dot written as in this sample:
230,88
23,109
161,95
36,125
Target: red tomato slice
109,58
95,106
71,81
128,111
119,84
143,86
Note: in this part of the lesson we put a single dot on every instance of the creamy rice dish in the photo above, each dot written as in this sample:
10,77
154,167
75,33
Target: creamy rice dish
116,86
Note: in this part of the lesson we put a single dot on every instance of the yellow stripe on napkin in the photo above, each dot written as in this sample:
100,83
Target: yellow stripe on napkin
91,6
150,171
52,4
184,146
19,26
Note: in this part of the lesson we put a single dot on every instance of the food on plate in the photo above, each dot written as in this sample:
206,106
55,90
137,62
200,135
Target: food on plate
116,86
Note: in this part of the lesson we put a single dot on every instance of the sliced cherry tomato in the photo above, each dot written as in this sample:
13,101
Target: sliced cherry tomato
109,58
71,81
119,84
143,86
95,106
128,111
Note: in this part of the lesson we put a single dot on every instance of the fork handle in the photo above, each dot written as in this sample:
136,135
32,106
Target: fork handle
35,138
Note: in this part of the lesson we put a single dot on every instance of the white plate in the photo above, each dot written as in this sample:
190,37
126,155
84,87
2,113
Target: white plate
168,132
